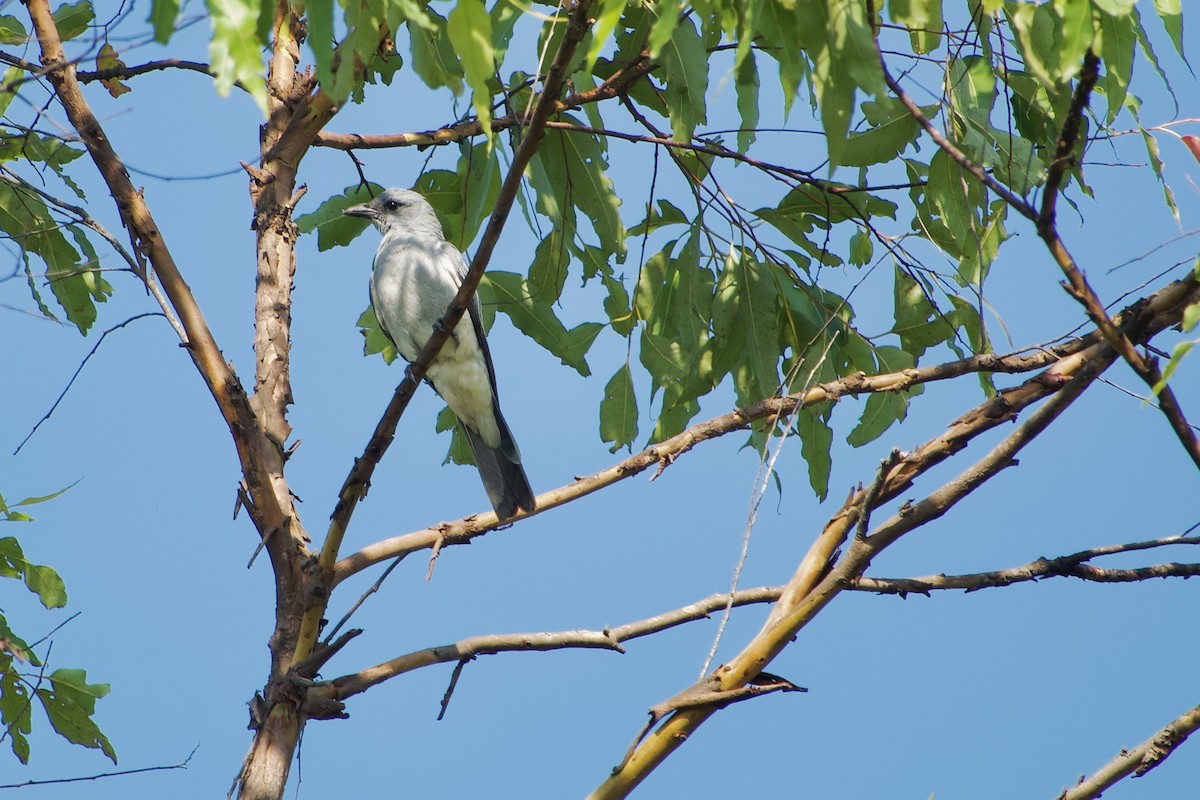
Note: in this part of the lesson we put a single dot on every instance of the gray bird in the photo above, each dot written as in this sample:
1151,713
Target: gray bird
415,276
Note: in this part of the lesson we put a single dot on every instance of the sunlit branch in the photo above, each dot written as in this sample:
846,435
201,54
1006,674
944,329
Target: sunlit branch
819,580
1138,761
607,639
1163,304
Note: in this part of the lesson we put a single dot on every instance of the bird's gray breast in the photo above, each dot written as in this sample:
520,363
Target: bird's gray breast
412,283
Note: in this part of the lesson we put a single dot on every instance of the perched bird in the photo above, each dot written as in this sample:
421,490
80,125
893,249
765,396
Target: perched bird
415,276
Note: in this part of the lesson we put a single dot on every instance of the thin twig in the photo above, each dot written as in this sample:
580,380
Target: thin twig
181,765
79,369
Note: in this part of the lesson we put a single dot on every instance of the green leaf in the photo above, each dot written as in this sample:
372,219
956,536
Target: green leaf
1177,355
1117,43
1156,164
236,48
335,229
70,704
470,30
618,411
923,18
571,169
607,16
747,88
780,30
686,64
536,319
861,248
816,439
14,702
1078,32
891,129
548,273
1171,14
883,408
374,339
41,580
433,56
72,19
77,285
163,14
12,31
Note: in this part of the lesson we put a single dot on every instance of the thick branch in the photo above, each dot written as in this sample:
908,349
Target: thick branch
815,585
1138,761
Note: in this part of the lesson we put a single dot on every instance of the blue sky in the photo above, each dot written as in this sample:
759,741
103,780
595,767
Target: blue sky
995,694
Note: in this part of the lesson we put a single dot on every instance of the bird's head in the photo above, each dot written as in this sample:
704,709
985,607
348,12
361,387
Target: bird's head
399,210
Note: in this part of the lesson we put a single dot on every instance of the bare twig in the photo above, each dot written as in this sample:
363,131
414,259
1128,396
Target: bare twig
181,765
79,369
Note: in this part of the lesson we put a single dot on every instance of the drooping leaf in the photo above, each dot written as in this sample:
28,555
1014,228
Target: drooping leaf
163,14
107,59
747,87
686,64
433,57
236,49
70,703
923,18
816,440
470,30
12,30
618,411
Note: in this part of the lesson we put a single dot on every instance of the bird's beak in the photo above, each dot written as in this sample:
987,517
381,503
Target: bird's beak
361,210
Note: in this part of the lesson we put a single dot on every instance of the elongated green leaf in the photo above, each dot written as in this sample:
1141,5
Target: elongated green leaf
618,411
470,30
236,48
883,408
607,16
1118,40
923,18
816,439
14,699
77,284
686,64
1171,14
163,14
780,29
433,57
1078,32
747,101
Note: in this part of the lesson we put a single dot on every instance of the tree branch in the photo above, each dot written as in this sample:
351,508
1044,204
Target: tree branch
1077,284
1138,761
617,84
1160,310
799,603
142,69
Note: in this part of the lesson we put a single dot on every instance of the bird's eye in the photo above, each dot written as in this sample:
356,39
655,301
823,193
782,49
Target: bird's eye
392,205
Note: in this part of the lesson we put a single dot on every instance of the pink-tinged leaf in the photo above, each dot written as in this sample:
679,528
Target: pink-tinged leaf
1193,144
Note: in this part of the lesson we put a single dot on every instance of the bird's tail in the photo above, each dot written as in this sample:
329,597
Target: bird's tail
503,476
